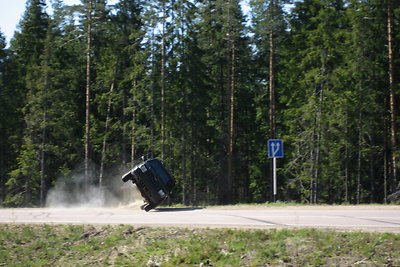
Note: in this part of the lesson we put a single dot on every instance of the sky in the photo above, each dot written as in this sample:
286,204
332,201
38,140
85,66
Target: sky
11,13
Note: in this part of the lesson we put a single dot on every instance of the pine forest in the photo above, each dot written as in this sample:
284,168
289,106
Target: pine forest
87,90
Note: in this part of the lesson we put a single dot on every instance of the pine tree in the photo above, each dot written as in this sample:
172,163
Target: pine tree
3,121
118,106
392,88
318,37
269,27
89,8
224,46
29,45
65,70
392,99
185,73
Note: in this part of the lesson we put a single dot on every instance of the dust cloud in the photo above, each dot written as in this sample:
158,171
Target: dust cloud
70,192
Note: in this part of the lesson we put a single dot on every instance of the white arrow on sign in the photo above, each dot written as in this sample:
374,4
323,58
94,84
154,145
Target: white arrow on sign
275,148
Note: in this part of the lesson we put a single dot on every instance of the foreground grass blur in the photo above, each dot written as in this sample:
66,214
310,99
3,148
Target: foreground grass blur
125,245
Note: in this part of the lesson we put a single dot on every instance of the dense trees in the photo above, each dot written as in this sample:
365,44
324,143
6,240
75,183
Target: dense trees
4,131
31,55
88,90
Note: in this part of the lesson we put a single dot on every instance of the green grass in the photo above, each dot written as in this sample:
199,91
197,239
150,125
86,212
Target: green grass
124,245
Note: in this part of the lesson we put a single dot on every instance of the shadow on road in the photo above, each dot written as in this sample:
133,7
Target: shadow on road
176,209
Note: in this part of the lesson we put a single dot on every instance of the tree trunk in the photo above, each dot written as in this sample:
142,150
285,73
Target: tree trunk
184,169
372,176
231,130
152,116
272,109
133,129
124,156
317,152
346,165
392,92
317,133
103,149
359,144
44,130
231,107
88,84
163,82
192,171
43,154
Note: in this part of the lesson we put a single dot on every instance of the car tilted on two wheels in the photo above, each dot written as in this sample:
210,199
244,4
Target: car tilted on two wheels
153,181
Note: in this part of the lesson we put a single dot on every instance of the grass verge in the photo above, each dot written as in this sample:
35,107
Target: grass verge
125,245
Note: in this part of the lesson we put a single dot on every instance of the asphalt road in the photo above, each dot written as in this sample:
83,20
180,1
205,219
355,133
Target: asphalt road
366,218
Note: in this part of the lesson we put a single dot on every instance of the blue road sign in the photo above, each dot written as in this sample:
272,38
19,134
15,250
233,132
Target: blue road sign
275,148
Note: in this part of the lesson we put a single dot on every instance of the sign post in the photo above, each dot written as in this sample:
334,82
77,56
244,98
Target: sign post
275,150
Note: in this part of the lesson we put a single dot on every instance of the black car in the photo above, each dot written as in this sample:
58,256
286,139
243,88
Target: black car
153,181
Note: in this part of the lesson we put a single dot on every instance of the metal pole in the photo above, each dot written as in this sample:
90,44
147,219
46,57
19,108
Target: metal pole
274,167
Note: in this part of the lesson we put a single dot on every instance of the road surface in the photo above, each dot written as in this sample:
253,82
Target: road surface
366,218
